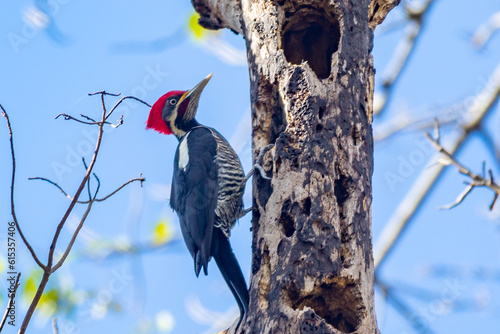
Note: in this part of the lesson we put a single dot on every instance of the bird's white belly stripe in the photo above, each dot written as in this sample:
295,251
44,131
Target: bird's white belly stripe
183,153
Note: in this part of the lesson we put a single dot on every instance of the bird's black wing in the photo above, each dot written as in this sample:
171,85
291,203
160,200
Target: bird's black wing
194,194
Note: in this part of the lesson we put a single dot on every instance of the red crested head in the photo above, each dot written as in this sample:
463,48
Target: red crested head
175,111
155,120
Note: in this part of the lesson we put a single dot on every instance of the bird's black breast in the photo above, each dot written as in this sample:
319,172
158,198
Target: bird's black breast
194,191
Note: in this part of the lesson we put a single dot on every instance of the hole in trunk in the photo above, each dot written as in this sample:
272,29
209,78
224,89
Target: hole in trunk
338,301
311,35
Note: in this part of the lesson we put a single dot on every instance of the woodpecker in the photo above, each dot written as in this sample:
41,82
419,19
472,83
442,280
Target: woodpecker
207,186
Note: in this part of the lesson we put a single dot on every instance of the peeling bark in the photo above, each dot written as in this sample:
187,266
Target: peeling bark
311,74
379,10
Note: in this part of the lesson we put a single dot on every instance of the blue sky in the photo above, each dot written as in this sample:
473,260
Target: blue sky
145,49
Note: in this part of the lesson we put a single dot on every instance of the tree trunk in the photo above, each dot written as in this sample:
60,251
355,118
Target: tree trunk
311,76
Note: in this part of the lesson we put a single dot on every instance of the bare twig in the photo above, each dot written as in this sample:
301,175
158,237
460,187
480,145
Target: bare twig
10,304
50,268
476,180
73,238
402,54
54,184
69,117
103,92
88,179
123,99
425,182
87,118
459,199
140,179
120,122
12,207
98,186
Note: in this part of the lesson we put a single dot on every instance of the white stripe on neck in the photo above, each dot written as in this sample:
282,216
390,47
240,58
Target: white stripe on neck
184,153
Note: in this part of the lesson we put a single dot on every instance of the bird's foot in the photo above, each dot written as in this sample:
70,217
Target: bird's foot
244,212
258,165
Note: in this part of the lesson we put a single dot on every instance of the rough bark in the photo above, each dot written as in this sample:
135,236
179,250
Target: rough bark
311,76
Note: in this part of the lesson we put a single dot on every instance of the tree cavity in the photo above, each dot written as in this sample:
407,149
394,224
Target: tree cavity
309,34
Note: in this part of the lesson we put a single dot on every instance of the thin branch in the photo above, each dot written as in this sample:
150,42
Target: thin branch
12,207
407,208
87,118
54,184
98,186
88,180
10,304
140,179
459,199
103,92
402,54
120,101
73,238
477,180
77,195
69,117
49,269
120,122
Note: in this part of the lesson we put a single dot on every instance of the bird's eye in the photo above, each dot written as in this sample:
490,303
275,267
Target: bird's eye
173,102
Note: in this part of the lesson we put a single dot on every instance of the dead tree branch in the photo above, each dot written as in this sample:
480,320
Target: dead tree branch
407,208
476,180
50,267
12,205
139,179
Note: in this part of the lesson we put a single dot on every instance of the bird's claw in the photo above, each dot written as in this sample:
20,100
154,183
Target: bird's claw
261,171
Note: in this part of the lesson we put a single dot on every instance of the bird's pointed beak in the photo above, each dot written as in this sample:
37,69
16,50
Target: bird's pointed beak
196,91
192,96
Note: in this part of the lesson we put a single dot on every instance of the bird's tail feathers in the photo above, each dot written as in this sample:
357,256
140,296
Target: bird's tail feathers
231,271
